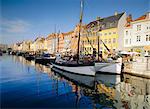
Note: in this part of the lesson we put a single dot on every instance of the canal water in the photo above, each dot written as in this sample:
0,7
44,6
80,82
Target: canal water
25,84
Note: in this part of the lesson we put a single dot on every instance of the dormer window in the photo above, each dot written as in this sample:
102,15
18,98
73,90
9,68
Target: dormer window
126,32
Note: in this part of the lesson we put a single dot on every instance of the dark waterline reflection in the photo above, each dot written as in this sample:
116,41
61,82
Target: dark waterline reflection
26,84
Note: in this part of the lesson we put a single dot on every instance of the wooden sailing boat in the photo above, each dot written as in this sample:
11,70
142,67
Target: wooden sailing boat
75,67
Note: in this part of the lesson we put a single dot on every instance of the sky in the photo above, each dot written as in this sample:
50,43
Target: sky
28,19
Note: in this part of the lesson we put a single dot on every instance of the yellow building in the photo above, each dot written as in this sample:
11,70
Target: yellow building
110,38
26,46
108,29
74,38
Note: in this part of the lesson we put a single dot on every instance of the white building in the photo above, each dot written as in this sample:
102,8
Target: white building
128,33
137,34
20,46
67,41
52,41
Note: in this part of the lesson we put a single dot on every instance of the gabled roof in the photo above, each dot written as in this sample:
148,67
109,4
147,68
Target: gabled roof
39,39
107,22
68,33
141,18
51,36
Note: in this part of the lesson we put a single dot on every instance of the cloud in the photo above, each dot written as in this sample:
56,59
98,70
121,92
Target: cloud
14,26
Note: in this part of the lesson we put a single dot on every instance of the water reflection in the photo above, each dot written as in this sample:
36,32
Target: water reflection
132,93
110,92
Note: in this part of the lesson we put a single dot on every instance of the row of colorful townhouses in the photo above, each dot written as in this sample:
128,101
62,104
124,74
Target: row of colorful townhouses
118,32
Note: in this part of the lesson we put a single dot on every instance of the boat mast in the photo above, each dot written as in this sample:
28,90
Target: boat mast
55,40
98,48
58,41
80,23
99,29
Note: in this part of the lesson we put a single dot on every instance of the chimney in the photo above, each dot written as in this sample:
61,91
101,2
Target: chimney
129,18
116,13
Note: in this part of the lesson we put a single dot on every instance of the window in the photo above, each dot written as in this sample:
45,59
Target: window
93,41
114,40
100,42
103,26
83,42
126,41
90,48
138,38
114,32
109,41
130,41
146,37
111,24
109,33
90,42
138,27
105,34
105,41
126,32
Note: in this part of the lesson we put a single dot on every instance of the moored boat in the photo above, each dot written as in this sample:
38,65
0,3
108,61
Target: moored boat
87,70
84,75
74,65
29,57
109,67
44,59
18,53
1,53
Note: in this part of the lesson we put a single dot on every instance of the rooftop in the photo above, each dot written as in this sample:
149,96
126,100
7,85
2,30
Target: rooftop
107,22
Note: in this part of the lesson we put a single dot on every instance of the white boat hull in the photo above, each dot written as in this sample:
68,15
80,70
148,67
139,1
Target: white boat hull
81,70
84,75
108,79
112,68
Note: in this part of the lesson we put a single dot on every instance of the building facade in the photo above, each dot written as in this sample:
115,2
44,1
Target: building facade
60,43
26,46
67,42
52,43
109,30
39,44
137,35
